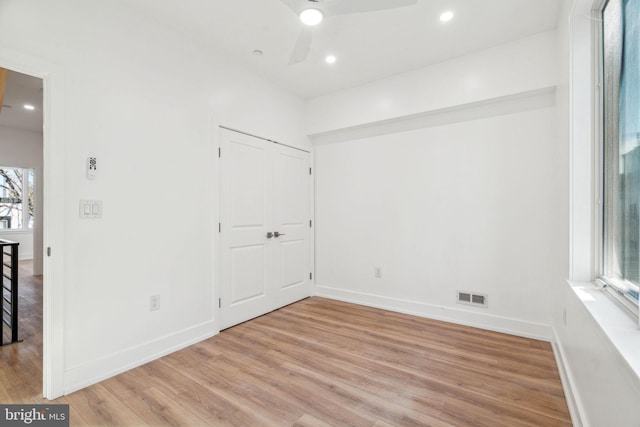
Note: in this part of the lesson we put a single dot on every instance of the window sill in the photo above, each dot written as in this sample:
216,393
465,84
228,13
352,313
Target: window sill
614,320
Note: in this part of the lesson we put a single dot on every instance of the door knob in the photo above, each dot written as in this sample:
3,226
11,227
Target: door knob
278,234
270,235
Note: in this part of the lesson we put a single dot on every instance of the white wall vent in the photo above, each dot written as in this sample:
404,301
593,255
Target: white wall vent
464,297
472,298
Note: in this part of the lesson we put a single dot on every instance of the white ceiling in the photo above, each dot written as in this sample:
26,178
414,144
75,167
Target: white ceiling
369,46
22,89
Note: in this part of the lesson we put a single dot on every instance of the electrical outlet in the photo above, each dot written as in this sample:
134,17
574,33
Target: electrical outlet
154,302
378,272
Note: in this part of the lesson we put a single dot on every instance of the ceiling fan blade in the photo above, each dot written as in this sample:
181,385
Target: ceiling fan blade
293,5
358,6
302,47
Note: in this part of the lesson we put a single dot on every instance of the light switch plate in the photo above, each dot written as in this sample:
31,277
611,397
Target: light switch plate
90,209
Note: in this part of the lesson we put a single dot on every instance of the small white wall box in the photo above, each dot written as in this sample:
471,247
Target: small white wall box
92,167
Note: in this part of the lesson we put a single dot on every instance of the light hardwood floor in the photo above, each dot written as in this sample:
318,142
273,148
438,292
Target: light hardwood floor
314,363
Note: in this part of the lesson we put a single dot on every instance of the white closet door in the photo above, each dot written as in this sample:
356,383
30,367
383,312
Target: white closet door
245,257
265,188
292,213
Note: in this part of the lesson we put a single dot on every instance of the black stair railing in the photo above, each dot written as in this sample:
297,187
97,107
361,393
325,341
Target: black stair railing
9,275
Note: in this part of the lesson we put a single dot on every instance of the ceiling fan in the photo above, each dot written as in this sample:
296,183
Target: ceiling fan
311,13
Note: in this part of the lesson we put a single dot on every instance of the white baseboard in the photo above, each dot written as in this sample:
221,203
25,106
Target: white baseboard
448,314
92,372
573,401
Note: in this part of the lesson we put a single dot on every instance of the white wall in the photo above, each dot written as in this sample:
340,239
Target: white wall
452,202
517,67
21,148
457,194
25,240
488,189
599,384
147,104
463,206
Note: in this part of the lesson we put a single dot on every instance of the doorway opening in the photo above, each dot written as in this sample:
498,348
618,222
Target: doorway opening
22,222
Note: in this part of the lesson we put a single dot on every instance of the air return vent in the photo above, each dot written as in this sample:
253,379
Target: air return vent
464,297
471,298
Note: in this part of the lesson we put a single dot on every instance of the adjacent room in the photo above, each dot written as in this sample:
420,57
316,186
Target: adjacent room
323,212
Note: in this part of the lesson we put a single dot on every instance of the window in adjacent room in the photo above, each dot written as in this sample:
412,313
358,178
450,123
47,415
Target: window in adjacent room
621,153
16,198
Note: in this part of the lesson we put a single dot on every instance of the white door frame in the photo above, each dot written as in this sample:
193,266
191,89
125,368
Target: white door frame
53,217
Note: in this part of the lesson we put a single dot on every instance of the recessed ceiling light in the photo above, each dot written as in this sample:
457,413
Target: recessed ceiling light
446,16
257,52
311,17
330,59
29,107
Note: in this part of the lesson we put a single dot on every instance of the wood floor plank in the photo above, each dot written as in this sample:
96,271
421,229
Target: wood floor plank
465,374
433,382
308,421
21,373
245,402
295,391
98,407
314,363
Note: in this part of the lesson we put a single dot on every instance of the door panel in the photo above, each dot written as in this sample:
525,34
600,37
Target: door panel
292,215
294,182
265,188
248,282
293,271
247,181
244,255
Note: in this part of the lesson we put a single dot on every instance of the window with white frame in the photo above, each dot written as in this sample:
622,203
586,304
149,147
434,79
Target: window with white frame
621,149
16,198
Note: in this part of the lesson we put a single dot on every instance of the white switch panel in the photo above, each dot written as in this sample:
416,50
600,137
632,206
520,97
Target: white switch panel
90,209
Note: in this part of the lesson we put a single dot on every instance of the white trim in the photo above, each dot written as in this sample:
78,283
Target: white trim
597,125
216,238
571,394
53,78
617,324
97,370
501,105
22,236
264,139
604,275
312,214
581,188
456,315
53,233
616,292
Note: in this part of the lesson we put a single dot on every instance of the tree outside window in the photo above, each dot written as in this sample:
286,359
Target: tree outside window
16,198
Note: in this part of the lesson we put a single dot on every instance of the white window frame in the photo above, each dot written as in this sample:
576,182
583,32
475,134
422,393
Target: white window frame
25,208
612,286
